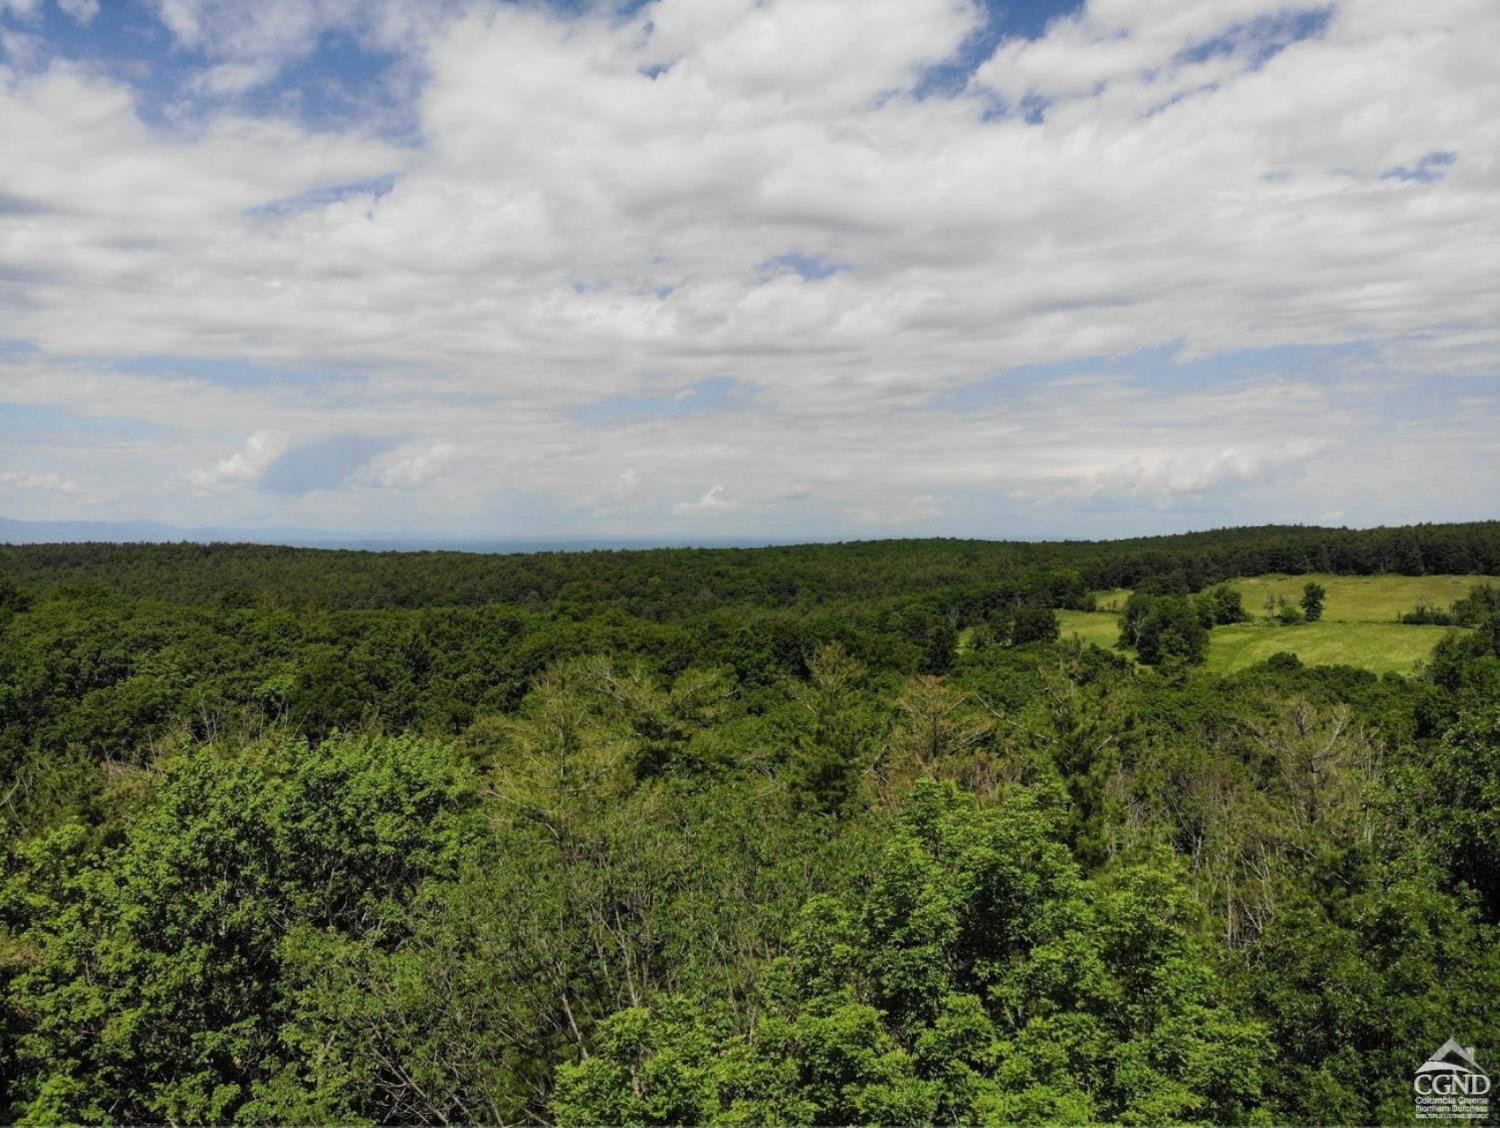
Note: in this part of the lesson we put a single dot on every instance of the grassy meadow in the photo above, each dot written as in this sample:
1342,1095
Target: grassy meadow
1101,628
1358,627
1381,648
1359,599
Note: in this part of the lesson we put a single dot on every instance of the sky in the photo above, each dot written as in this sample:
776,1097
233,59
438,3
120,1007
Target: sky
750,268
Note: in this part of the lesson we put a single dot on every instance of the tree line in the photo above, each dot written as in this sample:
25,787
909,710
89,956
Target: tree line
670,584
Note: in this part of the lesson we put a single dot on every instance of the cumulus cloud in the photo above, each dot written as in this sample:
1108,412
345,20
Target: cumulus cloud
408,468
251,43
1164,476
715,501
605,206
246,465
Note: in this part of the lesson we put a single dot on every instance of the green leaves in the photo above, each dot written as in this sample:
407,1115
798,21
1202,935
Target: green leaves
980,977
157,986
1465,804
1311,602
1164,629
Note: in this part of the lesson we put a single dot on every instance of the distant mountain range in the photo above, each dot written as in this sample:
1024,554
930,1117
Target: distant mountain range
122,532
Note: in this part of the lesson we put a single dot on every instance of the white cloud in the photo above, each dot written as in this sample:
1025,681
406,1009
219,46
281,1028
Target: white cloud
79,11
232,78
716,500
246,465
577,224
252,42
23,480
408,468
897,511
1132,41
1168,475
613,495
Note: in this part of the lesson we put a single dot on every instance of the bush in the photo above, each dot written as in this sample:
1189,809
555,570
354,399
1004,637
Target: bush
1426,615
1312,601
1163,630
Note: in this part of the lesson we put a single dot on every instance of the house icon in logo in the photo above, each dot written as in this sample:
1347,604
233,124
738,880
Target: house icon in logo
1451,1072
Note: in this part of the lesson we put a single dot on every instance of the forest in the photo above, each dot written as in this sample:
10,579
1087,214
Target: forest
821,834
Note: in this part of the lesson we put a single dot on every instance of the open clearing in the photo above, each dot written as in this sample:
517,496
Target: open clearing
1358,627
1360,599
1350,599
1381,648
1101,628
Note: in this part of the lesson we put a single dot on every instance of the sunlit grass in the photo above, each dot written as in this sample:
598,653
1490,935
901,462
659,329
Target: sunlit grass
1381,648
1359,599
1101,628
1359,625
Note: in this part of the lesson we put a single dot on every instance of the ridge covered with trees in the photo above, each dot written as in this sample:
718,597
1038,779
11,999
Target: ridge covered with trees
676,582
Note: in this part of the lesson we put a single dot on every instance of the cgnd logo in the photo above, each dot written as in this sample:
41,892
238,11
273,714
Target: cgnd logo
1450,1085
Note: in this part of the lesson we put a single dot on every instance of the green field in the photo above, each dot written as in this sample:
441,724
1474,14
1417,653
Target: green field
1350,599
1101,628
1111,600
1382,648
1358,627
1358,599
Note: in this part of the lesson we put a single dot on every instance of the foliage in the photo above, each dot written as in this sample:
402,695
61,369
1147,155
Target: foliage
979,979
1311,603
1479,607
1221,606
154,983
1164,630
817,834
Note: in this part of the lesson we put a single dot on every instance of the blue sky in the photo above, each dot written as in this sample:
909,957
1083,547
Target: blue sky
715,268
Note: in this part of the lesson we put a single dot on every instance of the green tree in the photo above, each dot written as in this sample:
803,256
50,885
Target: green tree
838,739
1033,624
1311,602
156,986
1225,604
979,978
1170,633
1464,808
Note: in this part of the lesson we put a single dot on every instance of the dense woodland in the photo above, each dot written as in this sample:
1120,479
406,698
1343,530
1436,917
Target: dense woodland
732,836
680,583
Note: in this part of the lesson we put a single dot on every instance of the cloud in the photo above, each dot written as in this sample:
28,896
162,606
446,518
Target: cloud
322,464
716,500
408,468
897,511
613,495
244,467
1228,229
1167,47
79,11
232,78
22,480
252,43
1166,476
